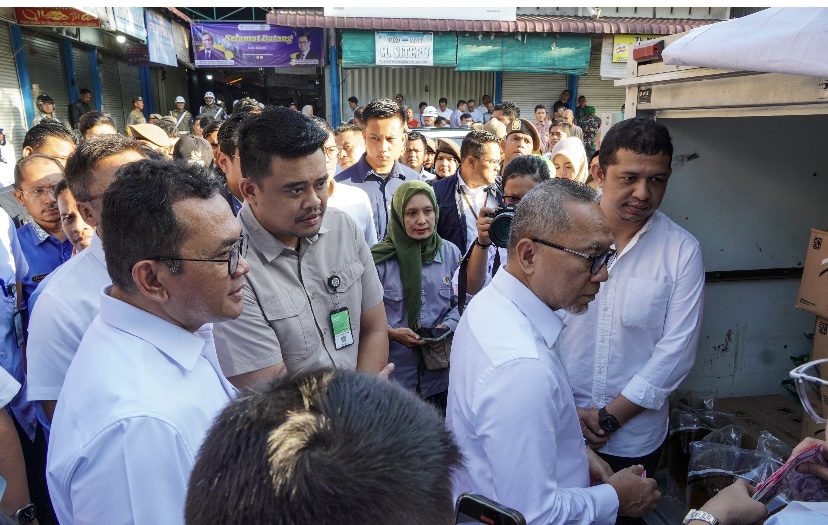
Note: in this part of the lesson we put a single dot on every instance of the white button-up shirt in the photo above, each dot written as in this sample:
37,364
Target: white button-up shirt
511,409
639,337
64,310
136,404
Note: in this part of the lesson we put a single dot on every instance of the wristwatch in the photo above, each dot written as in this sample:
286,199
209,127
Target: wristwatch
607,421
25,515
701,516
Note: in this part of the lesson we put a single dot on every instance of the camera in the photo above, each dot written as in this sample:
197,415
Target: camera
501,222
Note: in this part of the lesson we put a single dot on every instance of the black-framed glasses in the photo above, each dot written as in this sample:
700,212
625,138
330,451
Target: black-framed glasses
331,152
812,387
596,261
239,250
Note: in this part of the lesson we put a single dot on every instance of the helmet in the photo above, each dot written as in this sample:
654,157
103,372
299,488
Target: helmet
44,99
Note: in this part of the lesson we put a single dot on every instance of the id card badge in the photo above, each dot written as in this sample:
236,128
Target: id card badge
341,323
20,327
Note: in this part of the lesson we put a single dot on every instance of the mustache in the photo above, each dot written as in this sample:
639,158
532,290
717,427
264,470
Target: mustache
315,211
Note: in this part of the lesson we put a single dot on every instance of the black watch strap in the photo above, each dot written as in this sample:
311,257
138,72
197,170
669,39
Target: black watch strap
607,421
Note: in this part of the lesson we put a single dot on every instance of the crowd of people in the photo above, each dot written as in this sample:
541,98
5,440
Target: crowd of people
268,320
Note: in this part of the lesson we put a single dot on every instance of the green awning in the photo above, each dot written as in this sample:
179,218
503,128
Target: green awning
566,54
359,49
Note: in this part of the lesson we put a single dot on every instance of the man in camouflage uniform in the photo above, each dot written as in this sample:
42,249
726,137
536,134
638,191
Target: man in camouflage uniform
183,118
136,116
591,123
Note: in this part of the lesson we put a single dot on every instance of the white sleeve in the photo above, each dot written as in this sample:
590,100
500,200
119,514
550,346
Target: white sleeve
8,388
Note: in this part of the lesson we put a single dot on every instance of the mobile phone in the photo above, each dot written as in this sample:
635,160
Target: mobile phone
433,334
474,508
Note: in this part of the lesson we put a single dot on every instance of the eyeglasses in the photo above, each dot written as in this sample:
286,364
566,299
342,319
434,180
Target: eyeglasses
597,261
39,192
239,250
491,162
812,388
331,152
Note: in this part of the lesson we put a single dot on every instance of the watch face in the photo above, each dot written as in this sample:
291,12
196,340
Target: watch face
26,515
608,423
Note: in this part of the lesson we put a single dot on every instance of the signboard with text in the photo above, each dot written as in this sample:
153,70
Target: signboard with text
137,55
623,45
160,40
130,20
54,17
404,48
257,45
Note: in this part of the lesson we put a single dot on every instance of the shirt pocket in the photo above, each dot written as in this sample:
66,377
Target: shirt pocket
645,303
292,320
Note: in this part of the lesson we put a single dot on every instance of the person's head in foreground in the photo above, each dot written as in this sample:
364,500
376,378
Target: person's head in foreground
325,448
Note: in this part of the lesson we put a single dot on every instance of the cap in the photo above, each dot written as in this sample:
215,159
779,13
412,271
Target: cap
521,125
156,116
495,127
137,99
209,94
151,133
430,111
448,146
589,110
45,99
179,98
193,149
431,146
168,118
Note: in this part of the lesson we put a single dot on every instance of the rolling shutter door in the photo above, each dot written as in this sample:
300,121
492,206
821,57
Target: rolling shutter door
83,69
602,94
46,72
11,110
111,85
130,85
155,91
527,90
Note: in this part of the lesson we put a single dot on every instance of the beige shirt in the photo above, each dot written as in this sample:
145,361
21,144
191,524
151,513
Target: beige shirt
288,301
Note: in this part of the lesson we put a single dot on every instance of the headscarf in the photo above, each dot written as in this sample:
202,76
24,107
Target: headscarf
410,254
573,149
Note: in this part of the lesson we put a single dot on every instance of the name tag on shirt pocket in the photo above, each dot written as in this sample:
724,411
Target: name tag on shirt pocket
645,303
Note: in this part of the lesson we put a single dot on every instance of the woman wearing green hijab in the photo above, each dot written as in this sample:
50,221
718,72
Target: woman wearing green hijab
415,266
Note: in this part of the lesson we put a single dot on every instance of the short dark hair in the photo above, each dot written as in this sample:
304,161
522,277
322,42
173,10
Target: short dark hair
474,141
305,34
382,108
228,135
358,113
91,119
442,99
533,166
509,109
278,132
247,104
169,128
18,166
213,126
469,101
465,115
639,135
416,135
138,215
460,102
84,91
343,128
81,164
329,446
353,99
540,106
581,97
440,120
36,137
565,126
60,187
422,105
203,122
322,123
594,154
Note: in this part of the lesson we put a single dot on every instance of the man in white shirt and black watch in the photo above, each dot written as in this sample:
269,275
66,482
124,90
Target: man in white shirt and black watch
638,341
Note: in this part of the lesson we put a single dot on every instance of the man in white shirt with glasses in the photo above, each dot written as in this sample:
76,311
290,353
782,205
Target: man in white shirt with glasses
638,341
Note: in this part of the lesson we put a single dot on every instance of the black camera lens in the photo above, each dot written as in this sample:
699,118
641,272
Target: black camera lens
499,228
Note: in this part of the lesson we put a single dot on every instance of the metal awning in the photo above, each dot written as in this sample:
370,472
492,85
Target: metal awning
314,17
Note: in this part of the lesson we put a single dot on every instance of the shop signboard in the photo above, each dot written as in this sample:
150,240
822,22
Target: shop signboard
130,20
160,40
397,48
257,45
138,55
54,17
623,45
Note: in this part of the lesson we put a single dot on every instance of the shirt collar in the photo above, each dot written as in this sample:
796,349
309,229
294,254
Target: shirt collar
96,248
363,169
266,242
547,321
42,234
178,344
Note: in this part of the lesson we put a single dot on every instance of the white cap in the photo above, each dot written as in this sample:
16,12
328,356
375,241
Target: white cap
179,98
430,111
209,94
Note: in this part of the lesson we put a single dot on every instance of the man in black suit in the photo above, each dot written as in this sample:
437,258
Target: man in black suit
305,51
209,52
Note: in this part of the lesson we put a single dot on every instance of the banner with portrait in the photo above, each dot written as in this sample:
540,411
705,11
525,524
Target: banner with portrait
256,45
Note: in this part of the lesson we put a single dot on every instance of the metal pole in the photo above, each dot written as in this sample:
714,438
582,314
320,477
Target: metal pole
22,72
333,64
97,88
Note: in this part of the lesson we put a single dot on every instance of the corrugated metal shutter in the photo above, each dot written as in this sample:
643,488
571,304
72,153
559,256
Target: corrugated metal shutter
83,69
155,90
602,94
46,72
130,85
12,114
417,84
527,90
111,85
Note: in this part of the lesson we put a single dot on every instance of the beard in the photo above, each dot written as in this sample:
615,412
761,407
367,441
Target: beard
578,309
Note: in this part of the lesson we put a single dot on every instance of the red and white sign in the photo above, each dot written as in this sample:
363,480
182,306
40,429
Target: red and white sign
54,17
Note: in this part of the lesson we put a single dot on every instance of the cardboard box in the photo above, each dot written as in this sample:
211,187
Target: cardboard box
777,414
811,428
813,290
